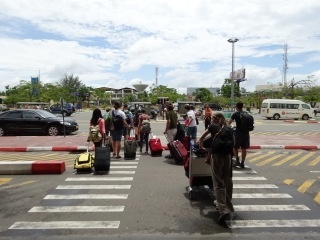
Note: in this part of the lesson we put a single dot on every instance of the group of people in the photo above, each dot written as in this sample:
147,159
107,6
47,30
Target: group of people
220,161
127,122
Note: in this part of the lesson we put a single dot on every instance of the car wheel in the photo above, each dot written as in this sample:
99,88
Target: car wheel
276,116
2,132
53,131
305,117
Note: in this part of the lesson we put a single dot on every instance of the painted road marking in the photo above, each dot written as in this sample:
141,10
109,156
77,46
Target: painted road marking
248,178
270,207
288,181
100,179
77,209
18,184
317,198
260,157
86,196
246,172
314,162
287,159
66,225
261,195
269,160
94,187
306,185
114,167
254,186
124,163
273,223
4,180
302,159
121,172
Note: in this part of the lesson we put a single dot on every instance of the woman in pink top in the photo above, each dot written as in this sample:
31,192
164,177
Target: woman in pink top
95,120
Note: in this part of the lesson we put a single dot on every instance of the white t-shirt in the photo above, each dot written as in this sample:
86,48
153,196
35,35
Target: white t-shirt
192,116
118,112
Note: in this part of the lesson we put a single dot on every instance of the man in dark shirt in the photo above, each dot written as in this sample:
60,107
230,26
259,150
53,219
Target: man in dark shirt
242,137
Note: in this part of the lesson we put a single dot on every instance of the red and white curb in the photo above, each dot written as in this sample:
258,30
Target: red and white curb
311,147
32,167
40,149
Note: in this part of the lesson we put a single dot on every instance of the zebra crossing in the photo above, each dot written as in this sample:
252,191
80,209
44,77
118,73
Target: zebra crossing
263,198
120,172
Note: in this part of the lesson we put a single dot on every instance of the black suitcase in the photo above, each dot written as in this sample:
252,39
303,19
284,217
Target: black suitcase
102,159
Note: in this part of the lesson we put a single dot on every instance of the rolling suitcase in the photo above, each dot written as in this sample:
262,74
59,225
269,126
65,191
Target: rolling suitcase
155,147
130,148
84,162
102,159
178,152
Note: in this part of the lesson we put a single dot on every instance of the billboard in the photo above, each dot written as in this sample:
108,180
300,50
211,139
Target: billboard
238,74
34,84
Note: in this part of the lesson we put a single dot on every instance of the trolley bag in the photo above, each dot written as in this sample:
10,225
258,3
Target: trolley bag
155,147
179,152
130,148
102,159
186,142
84,162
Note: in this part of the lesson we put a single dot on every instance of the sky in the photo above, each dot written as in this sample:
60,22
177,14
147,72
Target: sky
119,43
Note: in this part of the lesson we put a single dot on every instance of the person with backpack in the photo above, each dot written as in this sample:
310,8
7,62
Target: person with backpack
219,158
116,123
244,124
97,131
144,129
128,114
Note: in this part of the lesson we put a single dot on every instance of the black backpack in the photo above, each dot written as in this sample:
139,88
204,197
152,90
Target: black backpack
223,141
246,122
117,121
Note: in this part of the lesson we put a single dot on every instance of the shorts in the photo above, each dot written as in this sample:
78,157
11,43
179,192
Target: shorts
192,132
242,140
116,135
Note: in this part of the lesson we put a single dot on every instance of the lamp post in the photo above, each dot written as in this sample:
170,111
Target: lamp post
232,40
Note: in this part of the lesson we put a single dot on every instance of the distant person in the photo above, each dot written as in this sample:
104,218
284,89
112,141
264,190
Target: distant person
207,116
220,161
116,125
128,113
97,120
191,123
242,137
171,125
144,130
135,123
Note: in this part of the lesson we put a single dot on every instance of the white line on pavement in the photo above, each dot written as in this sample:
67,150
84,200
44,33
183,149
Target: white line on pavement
100,179
270,208
66,225
77,209
87,196
274,223
94,187
260,195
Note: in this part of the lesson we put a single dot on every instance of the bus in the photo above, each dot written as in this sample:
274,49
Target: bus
285,109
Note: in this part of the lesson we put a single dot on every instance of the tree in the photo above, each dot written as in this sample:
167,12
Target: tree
203,95
164,91
70,86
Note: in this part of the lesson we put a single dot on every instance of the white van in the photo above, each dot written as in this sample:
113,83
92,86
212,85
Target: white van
285,109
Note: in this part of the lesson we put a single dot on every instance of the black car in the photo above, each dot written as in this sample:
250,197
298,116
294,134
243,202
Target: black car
35,121
67,110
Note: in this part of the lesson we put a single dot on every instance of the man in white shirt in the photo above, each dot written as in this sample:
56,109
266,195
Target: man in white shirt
191,124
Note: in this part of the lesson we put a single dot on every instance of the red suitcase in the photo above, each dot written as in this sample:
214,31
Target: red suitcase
186,142
178,151
155,147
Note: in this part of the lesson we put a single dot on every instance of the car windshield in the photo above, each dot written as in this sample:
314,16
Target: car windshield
45,114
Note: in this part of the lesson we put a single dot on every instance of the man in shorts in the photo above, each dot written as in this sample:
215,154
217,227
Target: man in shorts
242,137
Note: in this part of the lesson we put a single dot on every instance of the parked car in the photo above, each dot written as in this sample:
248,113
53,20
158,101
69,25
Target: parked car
3,107
35,121
67,110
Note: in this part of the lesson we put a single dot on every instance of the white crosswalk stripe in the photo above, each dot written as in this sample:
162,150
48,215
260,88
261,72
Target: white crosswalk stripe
101,185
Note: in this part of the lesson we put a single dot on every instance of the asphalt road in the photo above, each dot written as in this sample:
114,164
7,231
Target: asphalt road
276,195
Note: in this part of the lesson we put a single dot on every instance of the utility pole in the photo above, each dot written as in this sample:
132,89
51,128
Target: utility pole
285,65
232,41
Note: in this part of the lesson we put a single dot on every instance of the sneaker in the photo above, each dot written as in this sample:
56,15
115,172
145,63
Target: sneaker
215,203
237,163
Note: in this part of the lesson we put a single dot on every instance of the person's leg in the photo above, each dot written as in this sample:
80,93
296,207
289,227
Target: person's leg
113,136
227,177
146,138
141,141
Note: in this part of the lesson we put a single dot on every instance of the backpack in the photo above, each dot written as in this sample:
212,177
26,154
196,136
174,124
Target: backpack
246,122
94,133
223,141
145,127
117,121
128,119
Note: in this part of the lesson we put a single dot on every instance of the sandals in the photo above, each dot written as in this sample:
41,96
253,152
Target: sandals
118,156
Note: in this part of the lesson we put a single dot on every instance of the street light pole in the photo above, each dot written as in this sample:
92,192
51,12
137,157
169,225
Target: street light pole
232,41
